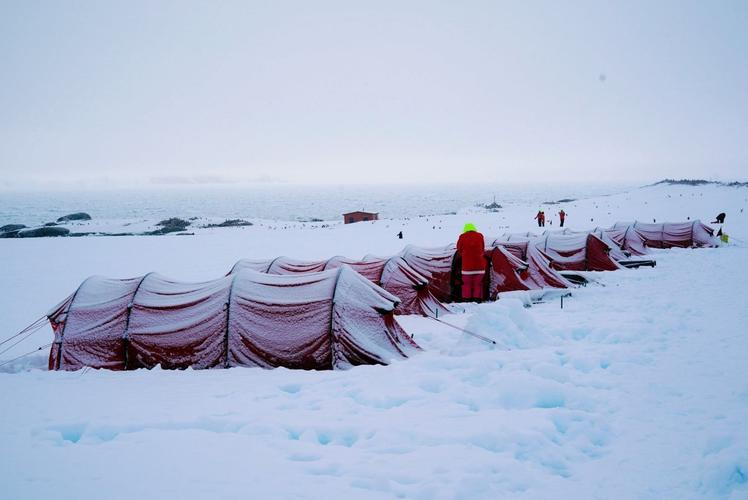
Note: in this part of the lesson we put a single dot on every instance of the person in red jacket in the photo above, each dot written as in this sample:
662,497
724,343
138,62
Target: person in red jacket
472,248
562,217
541,218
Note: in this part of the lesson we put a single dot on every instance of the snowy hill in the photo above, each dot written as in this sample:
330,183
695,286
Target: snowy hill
635,389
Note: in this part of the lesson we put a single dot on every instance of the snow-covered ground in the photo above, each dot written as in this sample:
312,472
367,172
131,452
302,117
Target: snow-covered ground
637,388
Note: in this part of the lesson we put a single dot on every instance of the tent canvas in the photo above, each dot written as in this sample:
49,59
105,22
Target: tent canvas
329,320
690,234
616,252
393,274
435,263
541,274
502,270
507,273
626,238
576,252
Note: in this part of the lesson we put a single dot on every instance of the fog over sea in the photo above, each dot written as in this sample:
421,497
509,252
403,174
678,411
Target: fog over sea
276,201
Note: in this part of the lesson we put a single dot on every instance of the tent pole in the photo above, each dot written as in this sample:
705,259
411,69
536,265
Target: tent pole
267,271
692,224
332,318
228,319
662,235
62,333
126,333
327,263
586,256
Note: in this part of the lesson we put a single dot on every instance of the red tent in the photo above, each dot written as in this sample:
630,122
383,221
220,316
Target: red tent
393,274
691,234
515,243
616,251
436,265
329,320
627,239
576,252
507,273
541,274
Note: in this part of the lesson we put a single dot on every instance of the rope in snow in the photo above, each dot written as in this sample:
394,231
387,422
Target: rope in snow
35,325
435,317
24,355
28,331
476,335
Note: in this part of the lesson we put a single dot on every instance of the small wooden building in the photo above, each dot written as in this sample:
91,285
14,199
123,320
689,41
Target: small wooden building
352,217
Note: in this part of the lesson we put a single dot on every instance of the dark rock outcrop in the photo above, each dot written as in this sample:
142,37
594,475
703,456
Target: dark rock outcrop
11,228
75,216
172,225
699,182
231,223
562,200
685,182
41,232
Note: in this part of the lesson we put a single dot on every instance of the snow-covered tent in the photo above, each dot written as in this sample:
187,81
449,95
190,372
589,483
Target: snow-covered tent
626,238
328,320
576,252
436,263
509,273
515,243
505,269
539,270
690,234
616,252
393,274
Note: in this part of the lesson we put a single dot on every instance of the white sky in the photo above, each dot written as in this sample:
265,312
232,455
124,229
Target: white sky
383,91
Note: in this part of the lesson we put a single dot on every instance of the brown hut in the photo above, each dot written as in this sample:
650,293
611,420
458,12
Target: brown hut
352,217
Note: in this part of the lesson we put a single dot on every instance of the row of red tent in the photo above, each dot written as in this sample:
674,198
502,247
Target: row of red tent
328,314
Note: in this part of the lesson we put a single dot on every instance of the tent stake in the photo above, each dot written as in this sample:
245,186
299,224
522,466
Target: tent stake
562,298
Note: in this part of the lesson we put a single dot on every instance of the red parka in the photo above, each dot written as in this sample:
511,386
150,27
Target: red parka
471,247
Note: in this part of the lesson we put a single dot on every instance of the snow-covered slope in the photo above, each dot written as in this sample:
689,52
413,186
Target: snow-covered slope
635,389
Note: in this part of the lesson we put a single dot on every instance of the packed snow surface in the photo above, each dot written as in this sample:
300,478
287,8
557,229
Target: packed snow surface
637,388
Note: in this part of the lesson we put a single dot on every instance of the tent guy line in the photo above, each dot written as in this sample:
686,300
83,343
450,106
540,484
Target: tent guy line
9,361
38,323
478,336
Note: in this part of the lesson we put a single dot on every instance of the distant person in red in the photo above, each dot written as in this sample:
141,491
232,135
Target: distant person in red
562,217
471,248
541,218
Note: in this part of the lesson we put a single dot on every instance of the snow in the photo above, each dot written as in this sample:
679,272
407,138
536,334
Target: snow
635,389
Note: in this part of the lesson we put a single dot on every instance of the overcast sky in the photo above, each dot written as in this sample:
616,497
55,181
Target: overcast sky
385,91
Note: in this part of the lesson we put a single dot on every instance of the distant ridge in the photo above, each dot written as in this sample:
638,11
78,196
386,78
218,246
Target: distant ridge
698,182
